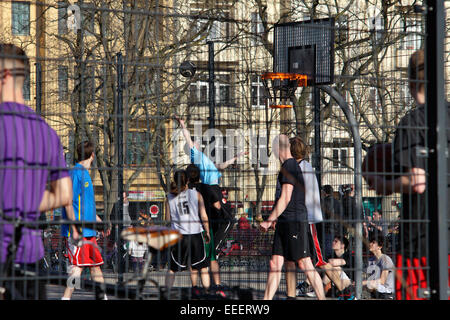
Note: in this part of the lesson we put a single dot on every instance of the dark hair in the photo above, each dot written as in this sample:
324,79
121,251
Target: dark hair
193,173
328,189
346,188
179,182
344,240
299,149
416,69
378,238
85,150
9,51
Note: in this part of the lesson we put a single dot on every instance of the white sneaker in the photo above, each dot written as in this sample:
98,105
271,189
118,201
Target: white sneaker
311,294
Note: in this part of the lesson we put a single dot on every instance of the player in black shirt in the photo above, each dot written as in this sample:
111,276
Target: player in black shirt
290,220
410,138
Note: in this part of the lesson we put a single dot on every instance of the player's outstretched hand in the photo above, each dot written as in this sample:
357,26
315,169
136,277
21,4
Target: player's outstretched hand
243,153
181,121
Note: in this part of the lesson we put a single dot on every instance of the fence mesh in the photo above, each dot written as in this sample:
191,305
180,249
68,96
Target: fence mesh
120,74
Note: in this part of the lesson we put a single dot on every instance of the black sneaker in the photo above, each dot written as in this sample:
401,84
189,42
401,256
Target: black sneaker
302,289
347,294
218,290
197,292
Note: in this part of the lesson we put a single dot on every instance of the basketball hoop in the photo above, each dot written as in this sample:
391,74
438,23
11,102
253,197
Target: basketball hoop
280,87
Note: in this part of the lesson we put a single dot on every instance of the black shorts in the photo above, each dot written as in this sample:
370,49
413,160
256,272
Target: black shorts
314,243
216,190
189,252
291,240
221,221
314,247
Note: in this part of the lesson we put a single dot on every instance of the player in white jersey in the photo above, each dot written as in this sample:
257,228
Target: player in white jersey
188,216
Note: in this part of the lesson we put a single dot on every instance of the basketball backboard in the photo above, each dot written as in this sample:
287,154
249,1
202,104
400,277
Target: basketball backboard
305,47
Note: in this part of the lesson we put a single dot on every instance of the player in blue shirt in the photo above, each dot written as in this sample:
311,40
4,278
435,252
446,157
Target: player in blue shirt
209,171
83,209
83,201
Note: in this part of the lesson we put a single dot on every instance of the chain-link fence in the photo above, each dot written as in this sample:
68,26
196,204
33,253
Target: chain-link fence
149,81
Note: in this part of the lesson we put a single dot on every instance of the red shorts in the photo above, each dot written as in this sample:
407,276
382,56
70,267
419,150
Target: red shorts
88,255
410,276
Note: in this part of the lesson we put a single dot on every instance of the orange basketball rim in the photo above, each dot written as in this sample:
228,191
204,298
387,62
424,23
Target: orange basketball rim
280,87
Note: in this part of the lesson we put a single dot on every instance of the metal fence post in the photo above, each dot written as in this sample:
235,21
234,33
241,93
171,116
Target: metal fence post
38,88
119,136
437,139
212,91
317,145
357,145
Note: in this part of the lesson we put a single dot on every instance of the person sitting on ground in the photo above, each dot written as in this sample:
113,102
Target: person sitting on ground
341,260
380,271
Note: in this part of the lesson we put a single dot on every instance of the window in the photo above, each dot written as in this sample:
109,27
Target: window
216,28
20,18
258,92
222,85
406,99
199,91
89,84
220,29
413,34
343,29
62,17
374,100
106,23
62,83
26,87
339,158
259,152
137,147
340,153
299,10
87,18
257,28
376,23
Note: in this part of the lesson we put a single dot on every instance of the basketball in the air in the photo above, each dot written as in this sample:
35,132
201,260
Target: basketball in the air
378,161
187,69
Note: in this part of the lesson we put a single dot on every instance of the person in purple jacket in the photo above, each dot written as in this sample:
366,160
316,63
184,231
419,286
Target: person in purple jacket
33,179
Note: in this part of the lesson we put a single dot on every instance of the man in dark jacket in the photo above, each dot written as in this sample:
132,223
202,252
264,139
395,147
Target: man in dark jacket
333,214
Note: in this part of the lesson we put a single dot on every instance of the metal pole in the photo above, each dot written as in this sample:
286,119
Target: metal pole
38,88
212,90
119,119
317,144
357,146
437,139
